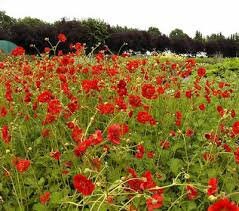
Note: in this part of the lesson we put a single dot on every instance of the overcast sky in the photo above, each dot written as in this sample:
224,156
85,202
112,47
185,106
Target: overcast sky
208,16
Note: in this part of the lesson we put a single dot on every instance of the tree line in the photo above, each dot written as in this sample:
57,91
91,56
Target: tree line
27,31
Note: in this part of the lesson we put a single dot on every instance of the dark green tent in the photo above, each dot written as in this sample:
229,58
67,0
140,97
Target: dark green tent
7,46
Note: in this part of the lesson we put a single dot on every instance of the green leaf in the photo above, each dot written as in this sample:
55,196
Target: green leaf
175,165
56,197
39,207
189,206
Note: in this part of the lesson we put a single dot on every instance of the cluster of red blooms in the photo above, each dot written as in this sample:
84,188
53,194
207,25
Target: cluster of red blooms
18,51
90,82
212,184
83,185
179,117
115,131
146,182
144,117
54,106
83,145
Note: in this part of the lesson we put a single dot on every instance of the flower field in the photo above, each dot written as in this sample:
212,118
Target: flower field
115,132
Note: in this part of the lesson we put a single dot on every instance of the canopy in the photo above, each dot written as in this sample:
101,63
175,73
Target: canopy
7,46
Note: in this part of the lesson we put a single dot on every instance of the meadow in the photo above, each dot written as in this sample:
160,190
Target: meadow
118,132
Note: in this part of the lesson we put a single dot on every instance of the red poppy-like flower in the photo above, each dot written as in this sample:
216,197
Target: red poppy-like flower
235,128
96,137
76,134
114,133
83,184
188,94
202,107
220,110
212,189
165,144
223,205
150,154
148,91
22,165
47,50
45,96
144,117
44,198
3,111
61,37
106,108
134,100
140,184
56,155
189,132
140,151
89,85
236,155
54,107
6,137
201,72
120,103
155,202
192,192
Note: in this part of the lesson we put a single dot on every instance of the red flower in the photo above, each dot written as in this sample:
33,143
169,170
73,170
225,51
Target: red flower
114,133
5,134
76,134
202,107
140,184
165,144
155,202
83,185
54,107
140,151
106,108
212,189
96,138
3,111
189,132
18,51
191,192
236,155
2,65
144,117
45,96
148,91
134,100
188,94
223,205
89,85
61,37
201,72
22,165
235,128
56,155
44,198
220,110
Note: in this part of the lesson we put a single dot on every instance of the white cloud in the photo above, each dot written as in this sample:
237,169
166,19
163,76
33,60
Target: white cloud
208,16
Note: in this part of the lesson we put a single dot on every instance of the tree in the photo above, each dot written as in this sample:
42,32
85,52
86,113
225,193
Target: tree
31,21
177,34
153,31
